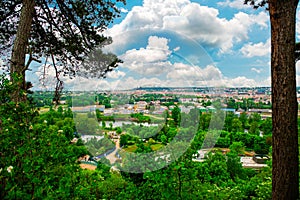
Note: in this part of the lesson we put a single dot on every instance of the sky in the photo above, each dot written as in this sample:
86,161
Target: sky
181,43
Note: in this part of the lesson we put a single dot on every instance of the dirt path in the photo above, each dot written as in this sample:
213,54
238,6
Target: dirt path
112,156
87,166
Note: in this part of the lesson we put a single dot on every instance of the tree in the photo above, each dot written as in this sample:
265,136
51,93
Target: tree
254,128
266,126
285,172
237,147
237,125
176,115
64,32
244,119
40,158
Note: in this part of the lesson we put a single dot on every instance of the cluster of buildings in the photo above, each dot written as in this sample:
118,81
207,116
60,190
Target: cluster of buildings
254,161
191,97
188,99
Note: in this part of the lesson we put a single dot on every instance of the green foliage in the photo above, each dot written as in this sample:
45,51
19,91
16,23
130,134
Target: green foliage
234,166
99,146
38,161
237,148
204,121
140,118
41,99
29,147
141,131
86,125
68,45
266,126
176,115
104,100
101,117
244,119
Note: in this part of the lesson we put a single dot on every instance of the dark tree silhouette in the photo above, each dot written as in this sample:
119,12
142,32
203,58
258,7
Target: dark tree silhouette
285,171
63,32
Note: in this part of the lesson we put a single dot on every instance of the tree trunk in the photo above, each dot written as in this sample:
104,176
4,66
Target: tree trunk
285,174
20,46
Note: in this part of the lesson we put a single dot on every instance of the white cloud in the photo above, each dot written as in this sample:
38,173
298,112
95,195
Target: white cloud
176,49
115,74
258,49
256,70
238,4
179,76
156,50
203,24
298,80
197,22
46,77
150,60
193,74
123,10
298,68
85,84
266,82
240,81
127,82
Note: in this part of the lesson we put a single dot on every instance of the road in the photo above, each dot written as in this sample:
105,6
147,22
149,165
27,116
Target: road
112,156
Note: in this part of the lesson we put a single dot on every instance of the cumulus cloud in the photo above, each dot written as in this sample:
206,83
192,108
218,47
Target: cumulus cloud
200,23
181,75
123,10
115,74
194,73
46,77
256,70
156,50
47,80
238,4
153,63
258,49
150,60
240,81
266,82
176,49
298,80
298,67
84,84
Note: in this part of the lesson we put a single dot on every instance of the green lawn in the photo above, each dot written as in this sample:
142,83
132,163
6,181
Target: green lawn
156,147
131,148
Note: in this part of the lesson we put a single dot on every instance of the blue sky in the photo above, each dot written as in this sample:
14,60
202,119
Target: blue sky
188,43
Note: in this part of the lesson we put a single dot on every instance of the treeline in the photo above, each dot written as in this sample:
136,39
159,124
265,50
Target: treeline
247,103
39,161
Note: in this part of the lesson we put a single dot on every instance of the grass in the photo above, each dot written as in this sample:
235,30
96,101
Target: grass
45,109
131,148
156,147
